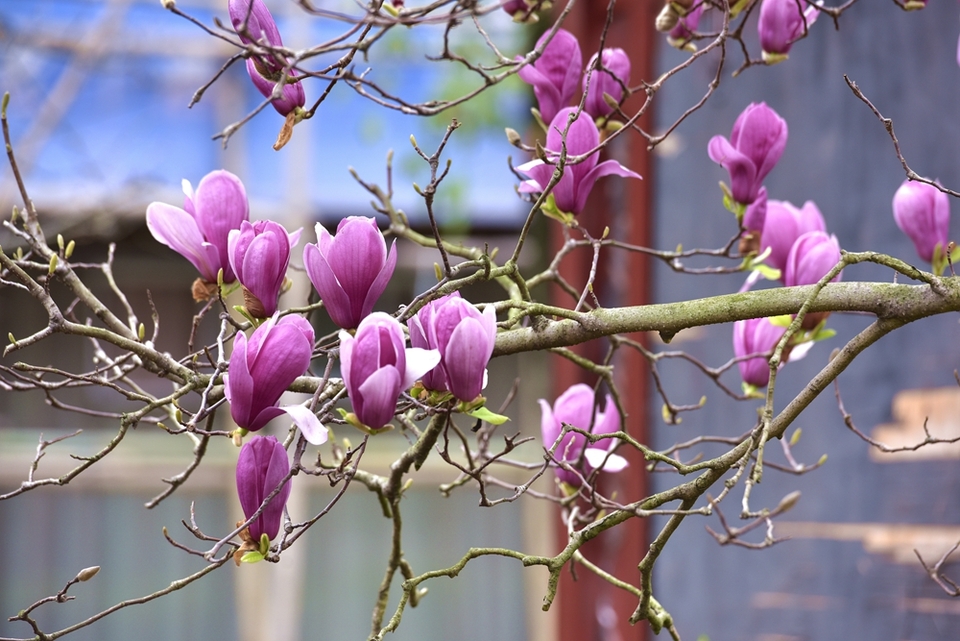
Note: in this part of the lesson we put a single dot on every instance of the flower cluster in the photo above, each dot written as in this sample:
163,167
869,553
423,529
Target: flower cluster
452,339
792,241
556,78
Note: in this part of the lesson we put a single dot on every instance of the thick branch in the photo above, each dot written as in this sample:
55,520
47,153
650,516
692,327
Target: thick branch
885,300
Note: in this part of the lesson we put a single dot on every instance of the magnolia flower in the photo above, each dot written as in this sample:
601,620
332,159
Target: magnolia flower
255,25
350,270
811,257
464,337
259,254
576,407
262,367
682,32
782,22
555,75
755,336
609,82
922,212
518,10
783,225
571,192
199,231
261,467
376,367
756,143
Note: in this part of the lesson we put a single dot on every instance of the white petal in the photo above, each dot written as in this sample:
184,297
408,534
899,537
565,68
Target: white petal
525,167
596,457
419,362
310,426
800,351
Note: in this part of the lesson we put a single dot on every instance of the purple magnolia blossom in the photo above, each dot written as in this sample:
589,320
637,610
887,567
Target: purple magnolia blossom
464,337
555,75
811,257
575,407
756,143
263,367
518,9
781,24
571,192
261,467
783,225
609,82
199,231
682,32
755,336
756,214
350,270
259,255
376,367
922,212
265,71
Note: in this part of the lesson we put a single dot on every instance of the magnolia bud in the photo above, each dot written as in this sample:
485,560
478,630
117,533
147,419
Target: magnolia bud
88,573
787,502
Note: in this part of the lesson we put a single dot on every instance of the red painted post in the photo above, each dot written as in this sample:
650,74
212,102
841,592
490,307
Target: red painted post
591,609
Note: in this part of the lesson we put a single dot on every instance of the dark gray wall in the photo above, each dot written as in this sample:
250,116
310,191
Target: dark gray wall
840,156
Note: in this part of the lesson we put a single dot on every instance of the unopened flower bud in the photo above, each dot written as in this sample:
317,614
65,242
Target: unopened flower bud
606,84
755,336
261,467
351,269
783,22
787,502
88,573
263,367
922,212
259,255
